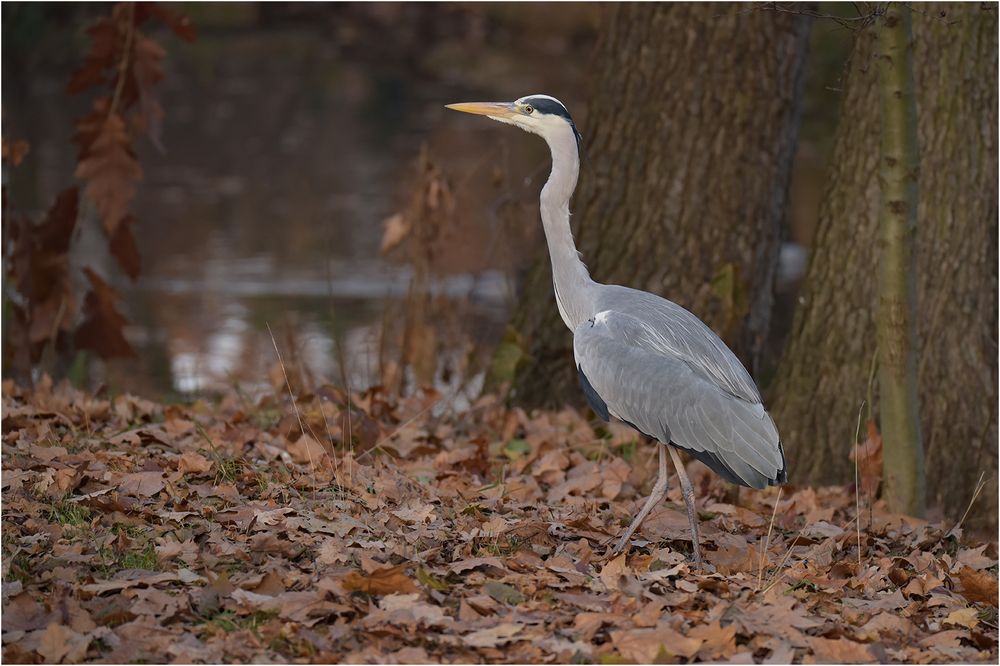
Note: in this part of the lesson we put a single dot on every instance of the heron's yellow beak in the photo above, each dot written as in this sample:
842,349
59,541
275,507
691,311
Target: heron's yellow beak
492,109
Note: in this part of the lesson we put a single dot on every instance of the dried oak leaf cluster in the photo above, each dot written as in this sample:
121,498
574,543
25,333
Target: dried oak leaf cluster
124,65
361,529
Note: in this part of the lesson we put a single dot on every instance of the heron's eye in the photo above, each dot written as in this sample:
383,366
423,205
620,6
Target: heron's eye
528,110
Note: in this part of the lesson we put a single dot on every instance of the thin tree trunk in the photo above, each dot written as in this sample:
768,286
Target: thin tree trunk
896,316
826,371
689,141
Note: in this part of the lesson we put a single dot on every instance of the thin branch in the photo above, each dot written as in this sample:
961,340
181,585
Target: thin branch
124,63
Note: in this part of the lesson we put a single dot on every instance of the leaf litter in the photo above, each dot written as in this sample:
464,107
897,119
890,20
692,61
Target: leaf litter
213,532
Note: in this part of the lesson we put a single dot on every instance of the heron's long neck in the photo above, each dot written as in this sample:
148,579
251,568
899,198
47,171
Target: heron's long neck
572,283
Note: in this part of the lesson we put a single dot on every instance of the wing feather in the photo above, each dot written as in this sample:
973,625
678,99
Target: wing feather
659,392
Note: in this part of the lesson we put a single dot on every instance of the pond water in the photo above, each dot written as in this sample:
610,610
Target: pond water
287,142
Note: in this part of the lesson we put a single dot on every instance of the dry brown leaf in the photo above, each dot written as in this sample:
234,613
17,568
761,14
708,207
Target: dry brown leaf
194,463
978,586
110,171
718,642
868,456
142,484
416,512
839,651
59,643
307,451
613,571
387,580
644,646
494,636
395,230
963,617
102,329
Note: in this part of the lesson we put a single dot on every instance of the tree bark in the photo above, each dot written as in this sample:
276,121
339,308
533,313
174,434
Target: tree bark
826,371
690,138
895,321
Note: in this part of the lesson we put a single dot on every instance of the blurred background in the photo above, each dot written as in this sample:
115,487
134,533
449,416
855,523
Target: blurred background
295,138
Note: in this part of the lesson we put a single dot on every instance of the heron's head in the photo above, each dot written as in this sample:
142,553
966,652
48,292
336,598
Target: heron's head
538,114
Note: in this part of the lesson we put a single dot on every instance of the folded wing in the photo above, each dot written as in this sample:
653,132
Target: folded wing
629,372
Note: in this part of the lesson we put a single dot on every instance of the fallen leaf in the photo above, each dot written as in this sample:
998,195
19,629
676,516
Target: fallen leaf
59,643
963,617
503,593
416,513
978,586
142,484
191,462
839,651
644,646
307,451
386,580
494,636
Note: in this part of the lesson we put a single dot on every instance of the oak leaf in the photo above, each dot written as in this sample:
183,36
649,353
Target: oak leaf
494,636
978,586
110,171
102,327
191,462
386,580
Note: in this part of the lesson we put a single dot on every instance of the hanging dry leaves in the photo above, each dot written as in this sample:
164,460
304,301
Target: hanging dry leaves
126,65
110,171
102,327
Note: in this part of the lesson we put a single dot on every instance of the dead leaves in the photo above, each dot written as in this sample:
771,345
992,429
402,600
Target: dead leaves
102,327
128,65
136,532
386,580
110,171
978,586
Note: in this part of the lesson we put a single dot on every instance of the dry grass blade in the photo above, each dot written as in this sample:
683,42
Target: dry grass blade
767,540
980,484
777,572
291,394
857,480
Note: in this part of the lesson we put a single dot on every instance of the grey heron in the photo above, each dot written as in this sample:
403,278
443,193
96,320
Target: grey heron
641,358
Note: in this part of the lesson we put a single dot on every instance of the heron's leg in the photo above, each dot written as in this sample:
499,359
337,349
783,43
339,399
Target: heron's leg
688,493
659,490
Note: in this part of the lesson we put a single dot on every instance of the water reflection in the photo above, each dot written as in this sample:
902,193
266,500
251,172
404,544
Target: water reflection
285,151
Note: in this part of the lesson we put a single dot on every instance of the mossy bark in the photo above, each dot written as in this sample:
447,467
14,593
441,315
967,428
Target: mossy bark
826,370
895,329
689,143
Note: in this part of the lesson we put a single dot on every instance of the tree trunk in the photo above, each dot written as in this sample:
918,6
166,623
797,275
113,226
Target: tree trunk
895,321
690,137
827,368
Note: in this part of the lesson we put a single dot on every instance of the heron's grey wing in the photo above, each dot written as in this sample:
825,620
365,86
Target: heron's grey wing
664,397
675,331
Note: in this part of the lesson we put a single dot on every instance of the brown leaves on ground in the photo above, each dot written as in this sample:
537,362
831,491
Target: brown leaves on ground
229,533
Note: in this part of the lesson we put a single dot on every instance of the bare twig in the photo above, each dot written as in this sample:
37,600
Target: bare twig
123,64
858,22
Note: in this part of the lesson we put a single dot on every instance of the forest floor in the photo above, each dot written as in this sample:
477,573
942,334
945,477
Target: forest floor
221,532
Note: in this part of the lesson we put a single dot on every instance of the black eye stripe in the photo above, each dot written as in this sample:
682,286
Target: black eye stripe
548,106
